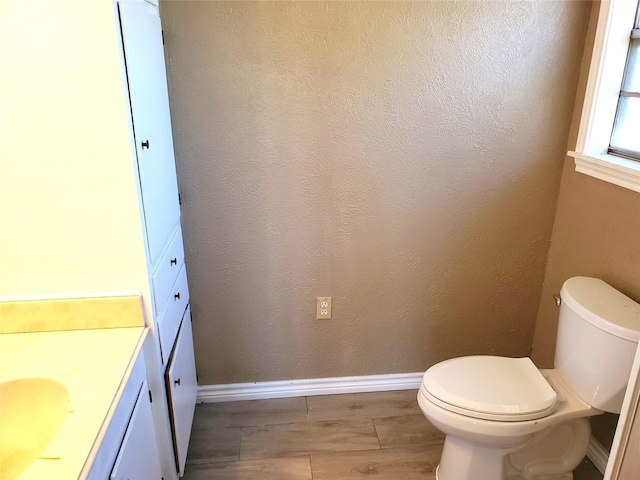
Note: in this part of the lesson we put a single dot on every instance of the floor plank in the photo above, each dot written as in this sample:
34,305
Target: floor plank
405,431
306,438
250,413
293,468
214,445
363,405
412,463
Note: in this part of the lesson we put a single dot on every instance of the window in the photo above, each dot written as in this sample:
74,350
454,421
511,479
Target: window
625,138
601,151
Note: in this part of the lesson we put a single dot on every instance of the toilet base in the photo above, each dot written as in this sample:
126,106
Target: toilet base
462,460
550,454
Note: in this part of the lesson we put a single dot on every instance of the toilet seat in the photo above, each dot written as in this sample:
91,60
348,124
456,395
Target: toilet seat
491,388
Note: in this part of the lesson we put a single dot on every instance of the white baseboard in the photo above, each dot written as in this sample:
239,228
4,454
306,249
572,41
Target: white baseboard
306,387
598,455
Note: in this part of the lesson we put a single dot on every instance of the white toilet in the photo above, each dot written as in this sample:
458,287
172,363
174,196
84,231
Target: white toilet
504,419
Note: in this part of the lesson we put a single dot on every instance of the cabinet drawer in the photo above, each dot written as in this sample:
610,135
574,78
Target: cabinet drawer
169,322
166,272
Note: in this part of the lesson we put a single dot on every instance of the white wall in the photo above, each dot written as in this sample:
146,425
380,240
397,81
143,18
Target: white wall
69,208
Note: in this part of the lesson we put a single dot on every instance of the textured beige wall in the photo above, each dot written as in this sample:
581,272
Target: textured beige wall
401,157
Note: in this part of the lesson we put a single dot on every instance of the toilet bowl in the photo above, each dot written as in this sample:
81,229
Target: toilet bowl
505,420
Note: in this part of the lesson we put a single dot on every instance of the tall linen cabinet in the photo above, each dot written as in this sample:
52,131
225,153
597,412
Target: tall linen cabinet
90,203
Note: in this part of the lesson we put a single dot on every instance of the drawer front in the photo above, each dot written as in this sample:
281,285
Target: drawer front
169,322
167,271
182,389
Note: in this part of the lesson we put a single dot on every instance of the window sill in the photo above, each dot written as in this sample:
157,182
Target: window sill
609,168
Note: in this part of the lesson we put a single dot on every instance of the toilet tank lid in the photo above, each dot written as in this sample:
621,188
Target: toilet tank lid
491,385
603,306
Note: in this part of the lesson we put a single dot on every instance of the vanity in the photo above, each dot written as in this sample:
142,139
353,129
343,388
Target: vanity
92,244
75,397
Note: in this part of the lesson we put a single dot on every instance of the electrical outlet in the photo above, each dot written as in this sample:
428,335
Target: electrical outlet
323,308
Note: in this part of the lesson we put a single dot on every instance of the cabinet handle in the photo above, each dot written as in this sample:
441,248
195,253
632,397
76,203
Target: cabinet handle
176,296
177,382
174,261
145,144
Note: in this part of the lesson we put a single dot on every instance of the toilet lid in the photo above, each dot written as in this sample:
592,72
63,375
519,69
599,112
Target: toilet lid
496,388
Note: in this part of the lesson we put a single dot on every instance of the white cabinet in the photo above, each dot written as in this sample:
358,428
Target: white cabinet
146,81
138,456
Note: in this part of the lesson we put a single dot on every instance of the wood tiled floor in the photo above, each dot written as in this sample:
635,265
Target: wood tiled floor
380,435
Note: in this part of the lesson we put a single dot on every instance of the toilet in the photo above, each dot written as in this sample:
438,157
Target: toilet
505,420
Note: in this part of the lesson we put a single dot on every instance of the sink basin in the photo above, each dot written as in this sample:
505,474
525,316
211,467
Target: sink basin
31,412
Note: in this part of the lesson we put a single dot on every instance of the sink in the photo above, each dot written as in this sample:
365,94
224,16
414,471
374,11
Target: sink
31,412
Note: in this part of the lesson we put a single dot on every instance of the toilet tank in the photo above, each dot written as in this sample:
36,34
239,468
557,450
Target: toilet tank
598,332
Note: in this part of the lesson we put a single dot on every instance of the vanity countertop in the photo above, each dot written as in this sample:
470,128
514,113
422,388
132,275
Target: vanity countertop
93,365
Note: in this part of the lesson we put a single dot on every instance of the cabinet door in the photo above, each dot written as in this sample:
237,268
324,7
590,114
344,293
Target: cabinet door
107,454
138,456
147,79
182,389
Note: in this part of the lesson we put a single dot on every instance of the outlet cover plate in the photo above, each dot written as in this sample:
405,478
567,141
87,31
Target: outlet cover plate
323,308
